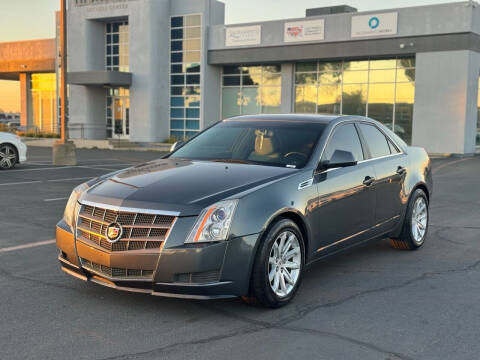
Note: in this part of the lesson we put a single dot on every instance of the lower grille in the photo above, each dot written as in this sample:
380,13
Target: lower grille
116,272
198,278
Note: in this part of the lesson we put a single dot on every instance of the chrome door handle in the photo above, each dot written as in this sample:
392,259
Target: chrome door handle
401,170
368,180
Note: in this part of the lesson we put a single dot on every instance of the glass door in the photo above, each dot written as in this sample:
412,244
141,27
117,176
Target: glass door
118,109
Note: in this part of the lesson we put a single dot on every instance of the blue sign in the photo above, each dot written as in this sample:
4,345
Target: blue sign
373,22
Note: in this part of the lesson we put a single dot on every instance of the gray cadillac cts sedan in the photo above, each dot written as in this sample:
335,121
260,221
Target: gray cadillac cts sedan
242,208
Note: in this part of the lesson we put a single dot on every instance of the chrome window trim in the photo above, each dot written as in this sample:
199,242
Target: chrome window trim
129,209
380,157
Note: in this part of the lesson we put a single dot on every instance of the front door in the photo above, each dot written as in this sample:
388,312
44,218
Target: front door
118,109
345,207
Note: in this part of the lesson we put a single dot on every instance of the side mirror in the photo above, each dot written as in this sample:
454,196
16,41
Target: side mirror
340,158
176,145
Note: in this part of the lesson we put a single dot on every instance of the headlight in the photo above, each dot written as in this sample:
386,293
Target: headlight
69,214
213,223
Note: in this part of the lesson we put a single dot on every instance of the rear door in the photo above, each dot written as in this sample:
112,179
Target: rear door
390,165
345,205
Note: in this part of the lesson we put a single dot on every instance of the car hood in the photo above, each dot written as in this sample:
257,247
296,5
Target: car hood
8,136
182,186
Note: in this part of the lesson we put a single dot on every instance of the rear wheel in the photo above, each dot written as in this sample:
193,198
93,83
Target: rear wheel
415,225
279,263
8,156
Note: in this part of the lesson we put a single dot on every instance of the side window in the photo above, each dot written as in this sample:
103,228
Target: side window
376,141
393,148
344,138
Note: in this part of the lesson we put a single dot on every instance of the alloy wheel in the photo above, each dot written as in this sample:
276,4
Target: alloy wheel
8,156
284,263
419,219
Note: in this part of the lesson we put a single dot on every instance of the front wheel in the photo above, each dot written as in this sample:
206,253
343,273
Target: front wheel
415,225
8,156
279,263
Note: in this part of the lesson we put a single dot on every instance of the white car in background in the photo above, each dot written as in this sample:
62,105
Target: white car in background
12,150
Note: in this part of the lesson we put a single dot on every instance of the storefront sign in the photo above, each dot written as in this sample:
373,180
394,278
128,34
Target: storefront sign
245,35
374,24
304,31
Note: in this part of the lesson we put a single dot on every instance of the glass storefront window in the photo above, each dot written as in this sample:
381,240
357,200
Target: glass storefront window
404,99
382,76
380,102
251,90
355,77
185,67
43,102
383,64
354,99
382,89
330,77
231,102
329,98
306,99
116,42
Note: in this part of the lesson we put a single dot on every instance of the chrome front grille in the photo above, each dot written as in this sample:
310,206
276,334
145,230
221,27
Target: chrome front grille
115,272
140,231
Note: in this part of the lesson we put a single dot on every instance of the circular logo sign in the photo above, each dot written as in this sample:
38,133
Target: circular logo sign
114,232
373,22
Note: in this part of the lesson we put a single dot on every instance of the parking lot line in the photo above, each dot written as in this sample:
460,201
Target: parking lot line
39,181
71,179
67,167
27,246
56,199
21,183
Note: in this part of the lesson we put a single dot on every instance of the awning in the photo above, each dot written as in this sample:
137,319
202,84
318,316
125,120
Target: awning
100,78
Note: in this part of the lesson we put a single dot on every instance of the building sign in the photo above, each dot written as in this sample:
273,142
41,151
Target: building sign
374,25
244,35
312,30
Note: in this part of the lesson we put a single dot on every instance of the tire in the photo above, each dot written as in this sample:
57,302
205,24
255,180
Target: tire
286,266
413,236
8,156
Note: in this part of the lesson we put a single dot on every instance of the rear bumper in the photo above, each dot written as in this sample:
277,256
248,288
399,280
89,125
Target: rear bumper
209,271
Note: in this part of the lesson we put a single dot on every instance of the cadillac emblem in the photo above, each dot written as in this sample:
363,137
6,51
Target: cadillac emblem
114,232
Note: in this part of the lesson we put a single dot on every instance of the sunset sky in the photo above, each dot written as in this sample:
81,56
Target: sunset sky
34,19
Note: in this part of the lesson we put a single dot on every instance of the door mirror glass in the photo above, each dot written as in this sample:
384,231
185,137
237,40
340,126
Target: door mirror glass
176,145
340,158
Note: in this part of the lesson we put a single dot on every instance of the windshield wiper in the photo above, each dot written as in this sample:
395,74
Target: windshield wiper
232,161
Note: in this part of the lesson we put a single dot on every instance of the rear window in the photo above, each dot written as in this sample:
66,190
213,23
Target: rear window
376,141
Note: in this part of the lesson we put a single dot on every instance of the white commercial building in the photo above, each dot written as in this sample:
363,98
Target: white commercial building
148,70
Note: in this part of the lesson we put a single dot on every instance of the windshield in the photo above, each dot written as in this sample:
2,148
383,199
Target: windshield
274,143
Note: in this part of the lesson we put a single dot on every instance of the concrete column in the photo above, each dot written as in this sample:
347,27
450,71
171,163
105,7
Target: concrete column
288,96
87,118
472,102
25,103
445,101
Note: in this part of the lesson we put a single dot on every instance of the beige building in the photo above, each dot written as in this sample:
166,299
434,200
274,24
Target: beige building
32,63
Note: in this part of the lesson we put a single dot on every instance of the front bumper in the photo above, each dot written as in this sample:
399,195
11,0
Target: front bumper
200,271
22,152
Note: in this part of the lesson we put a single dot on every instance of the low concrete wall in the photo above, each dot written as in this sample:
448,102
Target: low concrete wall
98,144
80,144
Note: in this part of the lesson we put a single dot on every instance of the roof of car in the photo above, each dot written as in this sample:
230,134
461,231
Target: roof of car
325,119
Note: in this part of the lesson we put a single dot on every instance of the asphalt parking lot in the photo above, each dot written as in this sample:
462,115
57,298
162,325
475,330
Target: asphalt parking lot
373,302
